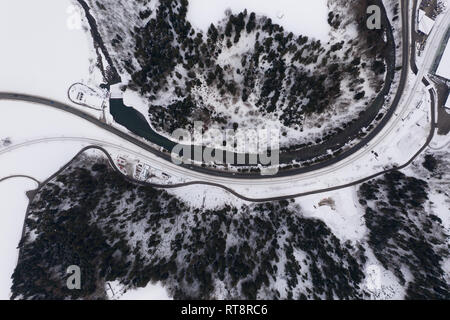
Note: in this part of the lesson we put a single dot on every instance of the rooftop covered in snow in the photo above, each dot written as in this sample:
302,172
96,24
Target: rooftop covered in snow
425,23
115,91
443,69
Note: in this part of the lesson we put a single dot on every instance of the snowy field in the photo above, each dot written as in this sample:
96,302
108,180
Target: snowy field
150,292
24,124
13,204
341,212
44,51
42,140
44,48
298,16
333,177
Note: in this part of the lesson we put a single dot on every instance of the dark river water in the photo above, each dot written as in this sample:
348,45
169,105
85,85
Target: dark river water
134,121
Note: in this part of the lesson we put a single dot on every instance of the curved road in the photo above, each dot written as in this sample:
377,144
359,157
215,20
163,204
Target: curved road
20,176
235,175
179,185
208,180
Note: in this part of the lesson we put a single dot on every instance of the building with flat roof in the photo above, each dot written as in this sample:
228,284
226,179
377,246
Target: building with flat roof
425,23
443,69
81,94
115,91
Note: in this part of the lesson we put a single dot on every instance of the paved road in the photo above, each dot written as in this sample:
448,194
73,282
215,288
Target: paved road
221,173
20,176
441,147
350,133
218,185
32,194
211,173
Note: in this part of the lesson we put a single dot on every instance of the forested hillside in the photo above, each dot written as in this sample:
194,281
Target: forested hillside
246,71
114,230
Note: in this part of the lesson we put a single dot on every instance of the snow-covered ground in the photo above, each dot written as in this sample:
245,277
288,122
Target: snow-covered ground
40,144
206,197
45,55
40,138
380,282
19,124
44,48
301,17
439,199
151,292
13,204
395,145
304,17
340,210
335,175
438,24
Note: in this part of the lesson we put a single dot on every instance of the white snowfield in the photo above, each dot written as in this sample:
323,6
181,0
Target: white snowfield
425,23
13,204
396,144
40,145
156,291
44,48
44,139
408,125
402,137
444,66
304,17
86,96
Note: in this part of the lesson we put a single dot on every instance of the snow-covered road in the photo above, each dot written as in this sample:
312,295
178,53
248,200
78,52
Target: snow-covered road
340,174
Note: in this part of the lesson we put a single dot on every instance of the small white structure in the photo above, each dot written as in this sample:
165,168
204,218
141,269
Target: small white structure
425,23
122,164
141,171
443,69
86,96
115,92
280,15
